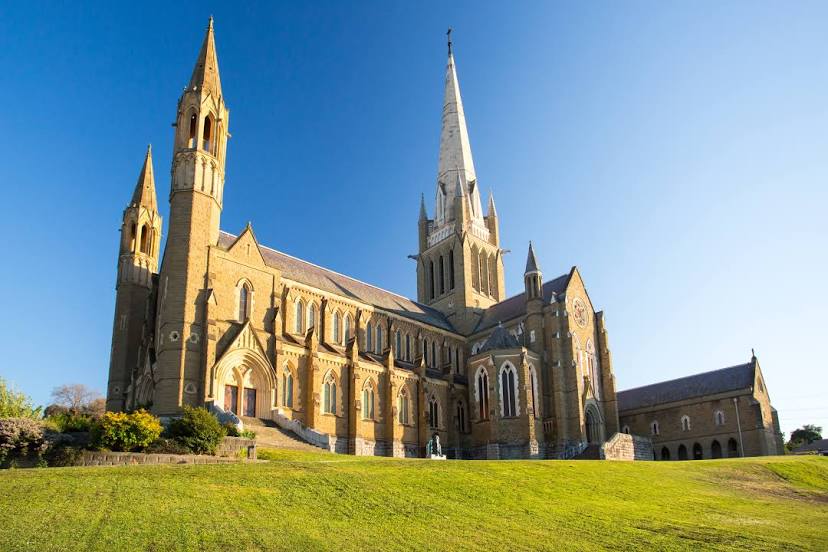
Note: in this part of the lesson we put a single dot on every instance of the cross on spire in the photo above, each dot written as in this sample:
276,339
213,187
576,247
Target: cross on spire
448,36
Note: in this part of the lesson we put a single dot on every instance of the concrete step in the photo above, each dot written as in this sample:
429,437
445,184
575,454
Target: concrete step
591,452
269,435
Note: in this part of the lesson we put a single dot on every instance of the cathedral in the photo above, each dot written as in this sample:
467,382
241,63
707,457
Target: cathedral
225,322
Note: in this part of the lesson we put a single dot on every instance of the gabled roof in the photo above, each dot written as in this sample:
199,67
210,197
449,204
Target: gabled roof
498,340
339,284
516,305
723,380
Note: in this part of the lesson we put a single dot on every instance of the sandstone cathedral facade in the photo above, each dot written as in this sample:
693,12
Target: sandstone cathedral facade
226,322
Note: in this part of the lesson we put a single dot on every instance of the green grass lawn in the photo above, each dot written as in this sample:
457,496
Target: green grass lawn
303,501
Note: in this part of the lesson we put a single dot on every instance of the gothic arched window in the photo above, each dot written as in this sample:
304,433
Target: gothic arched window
378,344
145,239
337,329
482,384
347,327
402,406
369,337
207,135
685,423
654,428
398,345
508,390
287,388
407,347
298,313
433,415
533,388
461,417
451,268
431,279
329,395
191,139
719,417
442,276
244,302
312,315
368,401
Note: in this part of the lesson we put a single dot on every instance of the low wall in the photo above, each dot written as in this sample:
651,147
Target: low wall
101,458
627,447
237,447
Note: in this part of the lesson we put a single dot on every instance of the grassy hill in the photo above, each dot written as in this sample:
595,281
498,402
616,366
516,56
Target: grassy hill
323,501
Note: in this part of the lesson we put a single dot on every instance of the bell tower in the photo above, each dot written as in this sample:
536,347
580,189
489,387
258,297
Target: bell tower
460,263
137,263
196,194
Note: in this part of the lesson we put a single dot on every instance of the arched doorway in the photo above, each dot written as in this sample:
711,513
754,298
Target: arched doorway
732,448
715,449
593,426
245,384
682,452
697,452
665,453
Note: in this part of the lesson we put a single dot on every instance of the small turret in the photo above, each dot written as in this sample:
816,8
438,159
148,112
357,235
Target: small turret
140,230
491,221
532,276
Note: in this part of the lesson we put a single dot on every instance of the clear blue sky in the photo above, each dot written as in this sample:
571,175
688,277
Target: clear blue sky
675,152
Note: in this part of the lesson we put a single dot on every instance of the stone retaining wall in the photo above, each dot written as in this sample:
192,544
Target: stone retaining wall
237,447
102,458
627,447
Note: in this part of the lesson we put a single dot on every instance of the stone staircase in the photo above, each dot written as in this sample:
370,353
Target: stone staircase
269,435
591,452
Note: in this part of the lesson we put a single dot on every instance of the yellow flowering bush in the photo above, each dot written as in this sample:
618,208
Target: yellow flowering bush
126,432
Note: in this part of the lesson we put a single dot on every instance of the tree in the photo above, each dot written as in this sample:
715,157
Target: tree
805,435
15,404
77,398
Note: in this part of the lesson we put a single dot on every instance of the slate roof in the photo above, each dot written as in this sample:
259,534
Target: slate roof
697,385
819,445
333,282
516,306
499,339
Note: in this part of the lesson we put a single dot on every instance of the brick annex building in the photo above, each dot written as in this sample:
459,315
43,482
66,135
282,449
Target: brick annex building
231,324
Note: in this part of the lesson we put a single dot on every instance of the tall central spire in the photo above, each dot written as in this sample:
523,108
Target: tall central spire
206,72
455,150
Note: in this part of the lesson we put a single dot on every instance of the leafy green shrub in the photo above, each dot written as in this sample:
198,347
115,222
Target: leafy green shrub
163,445
198,430
14,404
71,423
20,438
126,432
59,456
233,431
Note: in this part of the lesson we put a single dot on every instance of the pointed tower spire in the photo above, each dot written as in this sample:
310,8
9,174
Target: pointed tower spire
492,211
532,277
423,212
455,150
144,194
206,72
531,261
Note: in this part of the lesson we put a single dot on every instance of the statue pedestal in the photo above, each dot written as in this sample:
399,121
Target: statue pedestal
437,457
